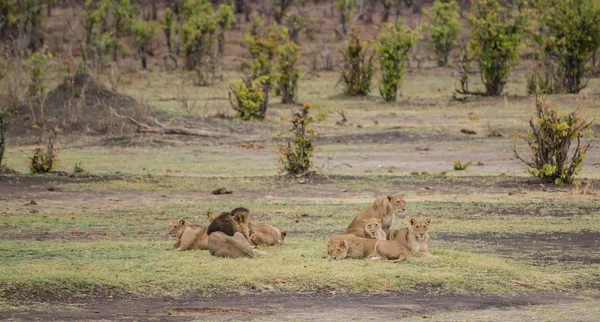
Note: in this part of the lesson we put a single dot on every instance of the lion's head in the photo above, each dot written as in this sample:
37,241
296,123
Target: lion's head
419,227
338,250
398,203
176,228
373,226
284,234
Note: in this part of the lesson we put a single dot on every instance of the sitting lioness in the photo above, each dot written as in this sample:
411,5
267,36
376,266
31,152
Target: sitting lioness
351,246
188,235
384,207
222,245
267,235
372,229
414,237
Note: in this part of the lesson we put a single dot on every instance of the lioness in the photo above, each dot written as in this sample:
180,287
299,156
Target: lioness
238,220
267,235
188,235
343,246
384,207
222,245
372,229
414,237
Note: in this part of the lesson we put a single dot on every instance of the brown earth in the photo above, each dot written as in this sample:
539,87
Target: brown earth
280,306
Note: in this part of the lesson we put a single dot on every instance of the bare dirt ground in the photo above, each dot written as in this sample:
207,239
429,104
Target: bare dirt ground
277,307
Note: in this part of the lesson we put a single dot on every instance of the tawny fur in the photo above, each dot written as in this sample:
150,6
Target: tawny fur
222,245
384,207
267,235
414,237
189,235
351,246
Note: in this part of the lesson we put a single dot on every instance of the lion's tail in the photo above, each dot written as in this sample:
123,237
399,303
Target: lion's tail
258,252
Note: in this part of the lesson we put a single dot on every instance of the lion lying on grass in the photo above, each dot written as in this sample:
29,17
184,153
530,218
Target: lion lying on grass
351,246
267,235
414,237
372,229
229,235
384,207
188,235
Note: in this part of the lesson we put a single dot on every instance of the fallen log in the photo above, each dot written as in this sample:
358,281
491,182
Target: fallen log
162,129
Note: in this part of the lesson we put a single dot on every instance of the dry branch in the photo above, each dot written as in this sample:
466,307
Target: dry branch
162,129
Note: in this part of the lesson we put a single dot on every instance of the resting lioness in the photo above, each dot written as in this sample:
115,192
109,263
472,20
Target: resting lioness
384,207
188,235
222,245
372,229
351,246
414,237
267,235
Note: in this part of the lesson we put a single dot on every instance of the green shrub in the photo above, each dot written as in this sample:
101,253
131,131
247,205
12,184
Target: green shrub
357,68
549,140
224,18
78,168
38,64
197,32
394,45
288,73
496,33
143,33
295,157
460,167
44,161
568,36
445,27
248,99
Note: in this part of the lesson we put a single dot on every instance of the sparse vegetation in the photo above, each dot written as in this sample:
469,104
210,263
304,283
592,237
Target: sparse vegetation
143,33
44,161
549,141
394,44
288,73
458,166
78,168
38,64
296,156
357,67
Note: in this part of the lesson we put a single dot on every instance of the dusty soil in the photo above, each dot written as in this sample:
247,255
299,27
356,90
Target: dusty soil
282,306
544,248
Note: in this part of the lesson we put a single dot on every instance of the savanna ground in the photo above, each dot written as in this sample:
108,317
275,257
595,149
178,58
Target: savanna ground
508,247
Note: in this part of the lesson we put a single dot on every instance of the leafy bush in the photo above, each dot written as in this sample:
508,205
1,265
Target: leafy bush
549,140
44,161
357,68
198,31
496,33
394,45
224,18
445,27
460,167
568,36
295,157
288,73
247,98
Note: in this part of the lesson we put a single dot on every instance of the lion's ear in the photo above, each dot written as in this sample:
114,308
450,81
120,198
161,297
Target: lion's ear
284,233
381,220
390,197
182,222
412,221
428,221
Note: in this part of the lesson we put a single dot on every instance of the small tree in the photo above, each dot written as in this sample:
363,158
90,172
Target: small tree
224,19
123,12
143,33
394,45
346,8
169,26
288,73
445,27
198,31
44,161
357,68
37,68
495,41
549,139
295,157
569,36
280,8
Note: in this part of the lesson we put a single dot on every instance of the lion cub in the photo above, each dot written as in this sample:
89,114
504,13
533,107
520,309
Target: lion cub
414,237
372,229
188,235
267,235
351,246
